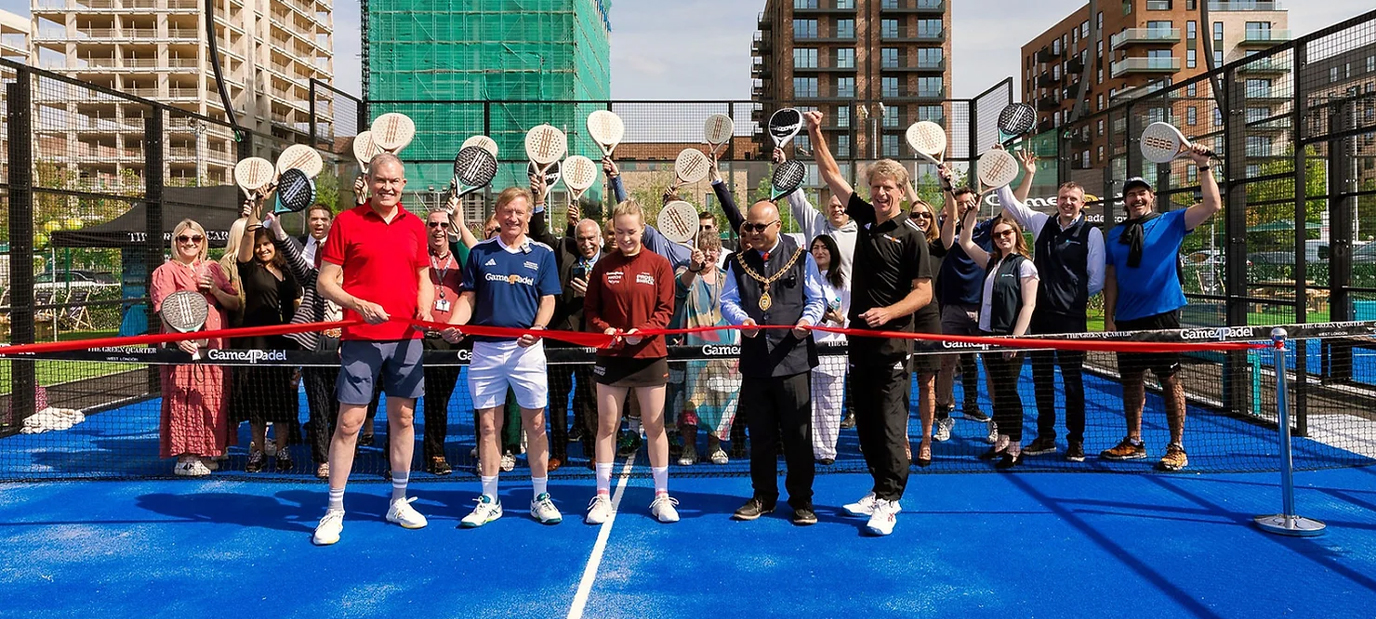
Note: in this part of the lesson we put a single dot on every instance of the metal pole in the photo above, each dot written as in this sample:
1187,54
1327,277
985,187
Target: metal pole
1286,522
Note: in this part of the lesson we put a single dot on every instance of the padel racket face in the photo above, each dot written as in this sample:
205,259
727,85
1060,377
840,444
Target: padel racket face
691,165
784,125
365,149
927,139
185,311
551,175
253,174
1017,119
486,143
718,129
787,178
295,192
393,131
606,129
997,168
1162,143
678,222
474,168
545,144
579,174
300,157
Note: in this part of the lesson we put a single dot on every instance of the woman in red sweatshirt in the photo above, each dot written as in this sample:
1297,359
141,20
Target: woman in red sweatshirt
631,290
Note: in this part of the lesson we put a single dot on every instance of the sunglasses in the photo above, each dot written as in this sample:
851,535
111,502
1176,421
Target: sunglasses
749,227
190,239
438,224
1002,233
922,215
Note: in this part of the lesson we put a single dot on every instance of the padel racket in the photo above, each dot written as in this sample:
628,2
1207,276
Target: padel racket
393,131
487,144
295,192
784,125
606,129
364,150
691,165
928,140
545,145
997,168
552,172
579,174
185,311
474,168
1015,121
300,157
717,130
678,222
1163,143
253,174
787,178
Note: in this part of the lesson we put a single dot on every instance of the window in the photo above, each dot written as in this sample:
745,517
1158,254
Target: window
1191,116
888,28
845,4
888,57
805,87
888,87
890,145
1100,105
1370,64
1158,5
804,58
1218,31
805,144
1218,57
1099,22
929,28
1100,156
804,28
929,56
929,87
1218,117
930,112
1257,114
1258,146
843,116
1084,30
845,87
1191,5
845,28
845,58
1127,7
1056,73
842,146
1084,160
804,4
1191,29
1191,59
1333,74
892,118
1191,90
1056,47
1159,26
1258,31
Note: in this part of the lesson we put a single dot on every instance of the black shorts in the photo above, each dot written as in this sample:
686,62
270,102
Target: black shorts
923,360
1163,364
631,372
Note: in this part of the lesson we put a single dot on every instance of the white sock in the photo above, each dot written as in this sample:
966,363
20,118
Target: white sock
490,487
399,484
540,485
604,478
336,500
661,474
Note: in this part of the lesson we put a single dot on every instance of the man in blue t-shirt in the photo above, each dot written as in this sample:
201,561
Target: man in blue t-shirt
1142,292
959,291
509,281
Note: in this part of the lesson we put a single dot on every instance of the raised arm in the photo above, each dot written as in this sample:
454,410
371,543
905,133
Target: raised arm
291,251
1029,167
967,240
949,215
1211,202
826,164
1016,209
458,229
614,179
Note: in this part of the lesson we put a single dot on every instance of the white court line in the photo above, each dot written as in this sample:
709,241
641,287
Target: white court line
580,599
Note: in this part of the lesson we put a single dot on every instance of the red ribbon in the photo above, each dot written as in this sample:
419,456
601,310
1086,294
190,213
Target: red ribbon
161,338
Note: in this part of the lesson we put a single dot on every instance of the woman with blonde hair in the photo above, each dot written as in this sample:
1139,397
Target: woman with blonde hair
194,426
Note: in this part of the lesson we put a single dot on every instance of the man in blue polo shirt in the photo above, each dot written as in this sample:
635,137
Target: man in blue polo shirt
959,290
1142,292
509,281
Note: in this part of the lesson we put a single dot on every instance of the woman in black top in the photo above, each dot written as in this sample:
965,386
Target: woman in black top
265,394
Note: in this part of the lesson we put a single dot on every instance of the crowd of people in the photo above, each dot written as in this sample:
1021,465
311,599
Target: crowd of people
886,262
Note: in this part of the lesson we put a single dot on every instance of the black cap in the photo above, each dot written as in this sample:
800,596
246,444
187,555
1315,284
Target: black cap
1136,181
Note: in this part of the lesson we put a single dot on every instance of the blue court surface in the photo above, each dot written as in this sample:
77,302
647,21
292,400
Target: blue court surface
1046,545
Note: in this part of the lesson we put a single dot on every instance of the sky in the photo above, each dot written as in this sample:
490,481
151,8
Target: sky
700,49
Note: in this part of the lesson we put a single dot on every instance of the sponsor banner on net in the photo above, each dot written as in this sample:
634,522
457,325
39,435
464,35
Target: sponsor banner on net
245,356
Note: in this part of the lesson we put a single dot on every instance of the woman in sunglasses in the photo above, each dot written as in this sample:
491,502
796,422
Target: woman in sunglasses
1010,295
194,426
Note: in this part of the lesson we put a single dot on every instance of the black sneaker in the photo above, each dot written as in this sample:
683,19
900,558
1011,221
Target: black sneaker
973,413
1042,445
256,461
365,440
1075,452
576,436
1008,461
803,516
848,422
753,509
282,460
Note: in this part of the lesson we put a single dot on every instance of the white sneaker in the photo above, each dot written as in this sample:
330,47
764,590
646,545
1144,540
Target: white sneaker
993,432
599,510
663,508
943,429
331,525
884,517
508,462
543,509
403,514
486,511
191,468
719,456
863,507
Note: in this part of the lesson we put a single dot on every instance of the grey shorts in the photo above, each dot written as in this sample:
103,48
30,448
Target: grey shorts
361,361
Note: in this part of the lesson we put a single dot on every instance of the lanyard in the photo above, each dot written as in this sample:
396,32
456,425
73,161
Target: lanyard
439,288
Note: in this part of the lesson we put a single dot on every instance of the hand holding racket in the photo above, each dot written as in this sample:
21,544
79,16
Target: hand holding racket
1163,143
360,190
538,189
579,175
717,132
185,311
609,168
928,140
474,168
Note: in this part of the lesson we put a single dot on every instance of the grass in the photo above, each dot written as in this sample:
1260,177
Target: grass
56,372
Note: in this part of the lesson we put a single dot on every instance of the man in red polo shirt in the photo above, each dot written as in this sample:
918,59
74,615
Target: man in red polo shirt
380,250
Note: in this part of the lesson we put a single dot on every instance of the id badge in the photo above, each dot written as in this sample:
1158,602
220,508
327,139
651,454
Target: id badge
442,305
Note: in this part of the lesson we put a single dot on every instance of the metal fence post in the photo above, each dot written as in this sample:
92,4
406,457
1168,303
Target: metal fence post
20,118
1286,522
152,203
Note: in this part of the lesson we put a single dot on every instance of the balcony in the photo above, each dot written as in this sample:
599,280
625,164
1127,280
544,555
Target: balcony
1129,66
938,66
765,23
761,45
920,95
913,6
1074,65
1133,36
1046,55
824,7
921,36
1046,81
1048,104
1265,66
1256,5
1264,38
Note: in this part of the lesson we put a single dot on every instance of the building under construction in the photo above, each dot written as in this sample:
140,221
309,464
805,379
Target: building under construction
492,54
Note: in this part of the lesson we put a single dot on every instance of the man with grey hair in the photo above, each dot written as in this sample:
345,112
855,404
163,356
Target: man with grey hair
376,266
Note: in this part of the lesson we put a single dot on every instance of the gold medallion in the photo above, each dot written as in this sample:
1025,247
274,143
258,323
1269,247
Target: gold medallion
765,302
